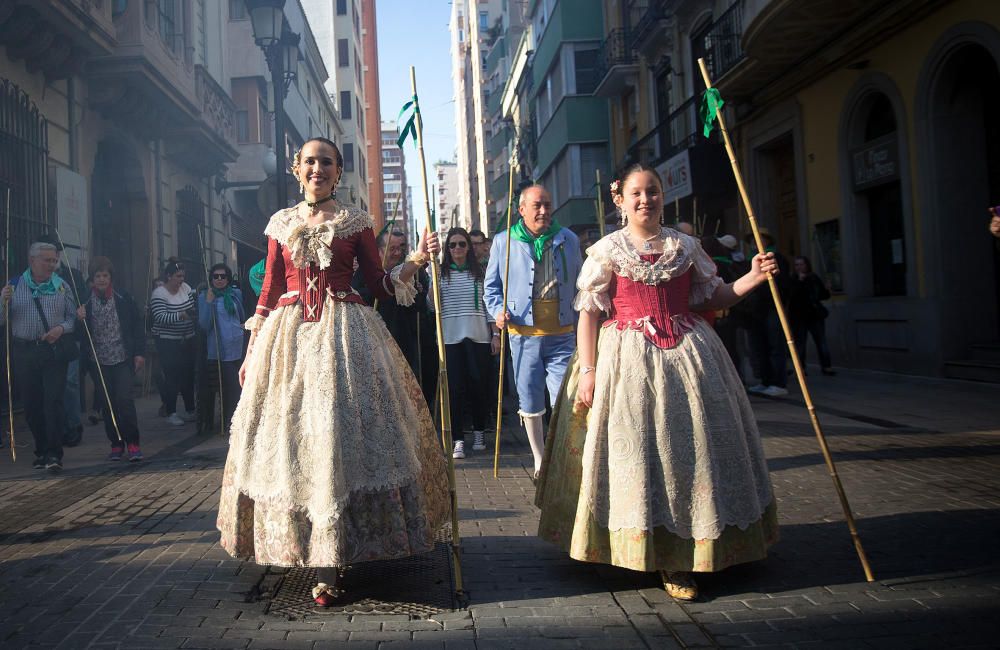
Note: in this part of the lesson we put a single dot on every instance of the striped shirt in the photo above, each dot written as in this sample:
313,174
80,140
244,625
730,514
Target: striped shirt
26,324
167,309
463,312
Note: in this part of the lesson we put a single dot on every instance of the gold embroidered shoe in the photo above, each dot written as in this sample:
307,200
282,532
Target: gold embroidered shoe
326,595
679,585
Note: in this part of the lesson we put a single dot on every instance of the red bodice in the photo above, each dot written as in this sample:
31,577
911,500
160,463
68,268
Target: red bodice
284,284
660,311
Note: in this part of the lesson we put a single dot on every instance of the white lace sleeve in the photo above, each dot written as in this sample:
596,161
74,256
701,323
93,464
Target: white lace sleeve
406,292
254,323
704,276
594,280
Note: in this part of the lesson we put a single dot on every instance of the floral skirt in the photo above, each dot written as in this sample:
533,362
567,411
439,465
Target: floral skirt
568,517
333,456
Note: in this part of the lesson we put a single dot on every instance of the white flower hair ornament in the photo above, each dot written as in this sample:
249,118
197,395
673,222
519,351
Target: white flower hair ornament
614,186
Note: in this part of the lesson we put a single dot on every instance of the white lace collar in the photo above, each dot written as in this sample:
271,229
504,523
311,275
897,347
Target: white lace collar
626,261
311,244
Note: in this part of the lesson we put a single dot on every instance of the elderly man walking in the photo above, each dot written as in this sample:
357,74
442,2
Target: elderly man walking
544,263
41,317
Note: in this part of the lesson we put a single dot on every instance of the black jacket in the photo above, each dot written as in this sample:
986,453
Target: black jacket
130,322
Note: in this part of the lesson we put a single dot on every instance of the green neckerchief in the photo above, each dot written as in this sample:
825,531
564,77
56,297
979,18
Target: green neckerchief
722,260
520,232
227,298
47,288
475,283
256,276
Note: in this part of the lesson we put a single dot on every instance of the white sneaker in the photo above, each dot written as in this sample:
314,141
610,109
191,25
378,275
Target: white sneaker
478,441
189,416
757,388
175,420
775,391
459,451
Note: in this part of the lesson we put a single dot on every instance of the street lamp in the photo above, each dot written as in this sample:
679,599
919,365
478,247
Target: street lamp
281,50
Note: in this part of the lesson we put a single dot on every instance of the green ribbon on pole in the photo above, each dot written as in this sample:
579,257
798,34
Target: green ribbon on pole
410,128
711,104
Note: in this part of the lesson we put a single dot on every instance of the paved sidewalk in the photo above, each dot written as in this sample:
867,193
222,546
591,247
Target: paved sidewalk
125,556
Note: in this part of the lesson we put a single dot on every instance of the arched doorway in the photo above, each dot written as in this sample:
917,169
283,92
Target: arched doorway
964,145
121,214
880,215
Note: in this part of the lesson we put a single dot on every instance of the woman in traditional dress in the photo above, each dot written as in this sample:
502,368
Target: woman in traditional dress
333,457
666,473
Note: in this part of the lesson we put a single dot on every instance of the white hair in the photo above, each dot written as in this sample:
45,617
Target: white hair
40,246
521,199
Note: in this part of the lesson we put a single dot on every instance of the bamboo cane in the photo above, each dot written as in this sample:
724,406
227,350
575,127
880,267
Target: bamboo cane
147,374
796,362
456,542
215,329
600,204
90,339
385,253
504,336
6,314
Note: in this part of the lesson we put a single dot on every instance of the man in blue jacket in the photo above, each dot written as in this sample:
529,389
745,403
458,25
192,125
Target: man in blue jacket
544,263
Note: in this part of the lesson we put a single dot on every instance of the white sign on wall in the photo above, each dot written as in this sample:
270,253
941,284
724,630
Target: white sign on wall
71,212
676,175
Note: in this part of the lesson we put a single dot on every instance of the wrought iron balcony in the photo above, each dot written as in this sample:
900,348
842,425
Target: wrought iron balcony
668,138
617,66
723,42
651,31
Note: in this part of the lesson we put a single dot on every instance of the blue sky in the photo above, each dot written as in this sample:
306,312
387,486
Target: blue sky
416,34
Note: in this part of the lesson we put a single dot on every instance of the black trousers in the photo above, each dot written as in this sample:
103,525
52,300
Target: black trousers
469,370
802,329
767,342
41,382
120,379
208,387
178,360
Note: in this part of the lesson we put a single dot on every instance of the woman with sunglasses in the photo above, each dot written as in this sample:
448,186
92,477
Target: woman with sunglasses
469,335
220,316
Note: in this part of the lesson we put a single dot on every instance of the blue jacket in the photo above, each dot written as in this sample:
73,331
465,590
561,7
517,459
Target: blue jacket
568,260
230,326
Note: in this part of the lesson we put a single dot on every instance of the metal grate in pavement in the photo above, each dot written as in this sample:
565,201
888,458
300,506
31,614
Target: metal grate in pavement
419,586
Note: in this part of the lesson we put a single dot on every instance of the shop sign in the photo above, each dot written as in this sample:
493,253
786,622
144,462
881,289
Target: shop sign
876,163
676,175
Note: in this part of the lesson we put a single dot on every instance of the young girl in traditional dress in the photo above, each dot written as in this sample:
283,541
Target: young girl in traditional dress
666,472
333,457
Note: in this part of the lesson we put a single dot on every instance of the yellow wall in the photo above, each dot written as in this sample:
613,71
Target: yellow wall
901,58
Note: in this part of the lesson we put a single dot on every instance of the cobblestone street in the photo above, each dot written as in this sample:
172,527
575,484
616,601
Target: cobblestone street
110,555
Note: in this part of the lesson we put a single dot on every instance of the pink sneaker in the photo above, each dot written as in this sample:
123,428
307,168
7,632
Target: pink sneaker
134,454
116,453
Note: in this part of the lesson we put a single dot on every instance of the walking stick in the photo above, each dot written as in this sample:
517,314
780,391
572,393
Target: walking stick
6,316
503,330
600,204
215,329
90,339
385,253
796,362
456,542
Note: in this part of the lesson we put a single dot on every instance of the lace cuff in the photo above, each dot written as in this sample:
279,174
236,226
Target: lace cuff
406,292
702,292
592,301
254,323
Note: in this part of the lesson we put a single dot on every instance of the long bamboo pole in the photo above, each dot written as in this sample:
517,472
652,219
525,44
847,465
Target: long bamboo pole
388,233
796,362
600,203
456,541
90,339
6,308
503,330
215,329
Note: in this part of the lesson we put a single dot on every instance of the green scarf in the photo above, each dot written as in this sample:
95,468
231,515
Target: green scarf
47,288
520,232
722,260
227,298
475,283
256,276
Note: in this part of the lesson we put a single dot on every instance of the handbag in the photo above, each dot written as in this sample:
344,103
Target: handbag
64,349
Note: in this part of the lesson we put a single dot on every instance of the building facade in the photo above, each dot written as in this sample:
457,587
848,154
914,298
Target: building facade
874,153
337,28
395,203
373,113
117,120
447,199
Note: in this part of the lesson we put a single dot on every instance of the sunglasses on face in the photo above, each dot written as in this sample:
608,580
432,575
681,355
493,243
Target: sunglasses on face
457,244
219,276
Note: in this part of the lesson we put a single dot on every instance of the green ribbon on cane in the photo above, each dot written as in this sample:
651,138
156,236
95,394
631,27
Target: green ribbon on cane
410,128
711,104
